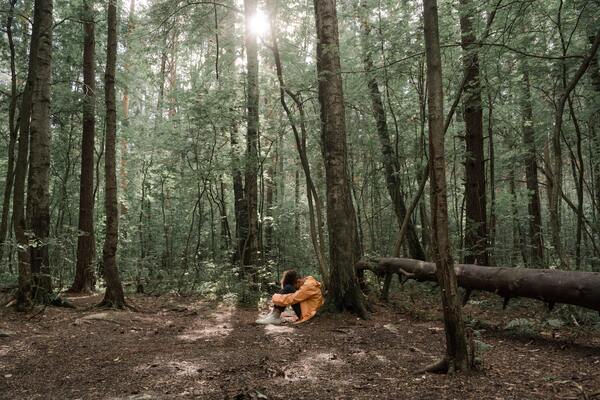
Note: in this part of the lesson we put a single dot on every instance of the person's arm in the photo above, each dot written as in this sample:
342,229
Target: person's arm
306,291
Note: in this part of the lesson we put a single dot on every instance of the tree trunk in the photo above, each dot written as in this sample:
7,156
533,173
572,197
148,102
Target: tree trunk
456,344
344,291
297,203
492,184
172,76
24,294
250,240
123,180
113,296
222,203
578,175
12,130
166,253
86,243
389,156
595,132
531,173
315,206
269,210
163,77
548,285
238,198
38,182
476,229
518,236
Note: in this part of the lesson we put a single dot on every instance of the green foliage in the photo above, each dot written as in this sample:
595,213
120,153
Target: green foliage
521,326
176,157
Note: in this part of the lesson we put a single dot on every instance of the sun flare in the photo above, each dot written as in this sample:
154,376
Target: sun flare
259,24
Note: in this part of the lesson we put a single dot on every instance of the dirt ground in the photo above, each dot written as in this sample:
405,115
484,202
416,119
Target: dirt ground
189,348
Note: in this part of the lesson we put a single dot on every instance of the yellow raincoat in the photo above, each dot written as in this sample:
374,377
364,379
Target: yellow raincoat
309,296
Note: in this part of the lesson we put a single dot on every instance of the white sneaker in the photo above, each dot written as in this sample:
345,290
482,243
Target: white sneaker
270,319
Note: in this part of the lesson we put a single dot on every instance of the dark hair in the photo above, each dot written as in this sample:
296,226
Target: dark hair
289,277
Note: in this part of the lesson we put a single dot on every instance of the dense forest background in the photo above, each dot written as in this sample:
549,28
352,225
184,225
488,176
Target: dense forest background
203,126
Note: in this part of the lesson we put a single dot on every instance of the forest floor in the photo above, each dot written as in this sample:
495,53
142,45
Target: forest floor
186,347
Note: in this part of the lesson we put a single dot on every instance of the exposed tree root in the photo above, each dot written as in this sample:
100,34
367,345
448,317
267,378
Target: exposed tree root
111,305
438,367
360,310
43,300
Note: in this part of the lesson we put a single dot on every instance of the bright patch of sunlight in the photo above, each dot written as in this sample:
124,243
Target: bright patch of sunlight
259,24
185,368
218,325
312,365
278,329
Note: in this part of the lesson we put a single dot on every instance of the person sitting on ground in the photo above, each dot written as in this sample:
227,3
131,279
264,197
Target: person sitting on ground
302,293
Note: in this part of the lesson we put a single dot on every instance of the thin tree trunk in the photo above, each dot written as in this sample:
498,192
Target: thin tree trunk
238,197
143,215
389,156
492,184
578,175
269,210
555,202
315,206
519,242
594,126
250,245
86,243
63,193
38,182
113,297
476,227
344,291
24,295
12,130
163,77
225,230
172,76
456,344
297,203
166,254
123,180
531,173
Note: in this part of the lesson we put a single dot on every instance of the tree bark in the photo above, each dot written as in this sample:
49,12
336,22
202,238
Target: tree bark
124,147
492,181
270,178
113,296
456,344
344,291
24,299
238,197
578,175
389,155
38,182
476,227
250,240
12,130
548,285
86,243
531,172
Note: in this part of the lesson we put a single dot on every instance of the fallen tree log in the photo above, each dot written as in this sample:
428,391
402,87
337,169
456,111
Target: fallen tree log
548,285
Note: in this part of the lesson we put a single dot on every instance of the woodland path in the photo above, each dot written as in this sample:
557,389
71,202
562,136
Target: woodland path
184,348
